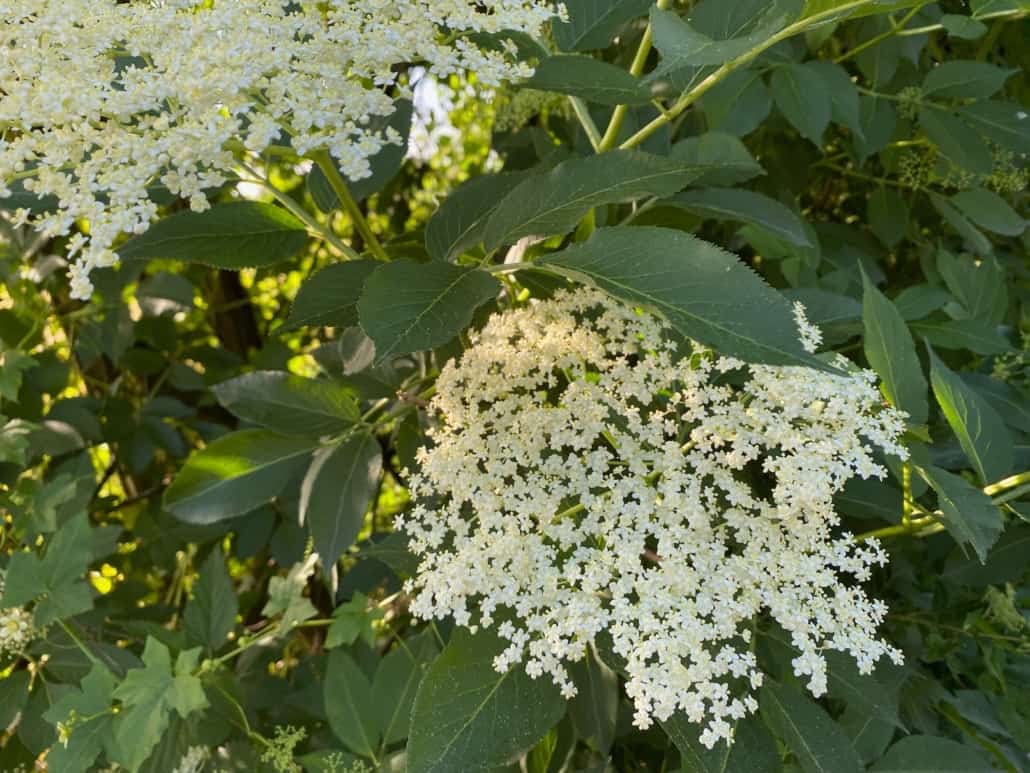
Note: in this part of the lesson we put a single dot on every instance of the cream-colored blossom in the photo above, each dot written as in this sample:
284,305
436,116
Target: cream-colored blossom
100,100
591,475
17,628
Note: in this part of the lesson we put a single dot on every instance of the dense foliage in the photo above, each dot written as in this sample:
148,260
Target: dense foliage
643,404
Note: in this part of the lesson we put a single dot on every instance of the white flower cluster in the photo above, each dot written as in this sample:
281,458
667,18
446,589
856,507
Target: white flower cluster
100,99
592,474
17,629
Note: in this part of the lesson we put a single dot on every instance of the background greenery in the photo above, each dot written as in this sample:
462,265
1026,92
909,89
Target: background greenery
238,395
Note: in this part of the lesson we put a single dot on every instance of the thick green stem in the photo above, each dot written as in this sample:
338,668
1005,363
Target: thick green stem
339,186
579,107
611,134
689,98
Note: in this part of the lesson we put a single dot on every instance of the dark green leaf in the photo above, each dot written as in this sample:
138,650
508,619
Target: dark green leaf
236,235
976,240
396,683
892,354
802,96
753,748
979,429
973,334
749,207
1003,122
724,156
929,754
964,79
594,710
235,474
87,710
956,139
1009,402
888,216
210,614
554,202
967,512
819,744
468,717
289,404
330,297
408,307
705,292
348,700
980,286
989,210
877,118
462,218
592,23
843,93
739,103
965,27
1005,562
336,492
591,79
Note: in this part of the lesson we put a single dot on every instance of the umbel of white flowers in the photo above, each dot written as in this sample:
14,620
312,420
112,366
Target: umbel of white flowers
591,475
100,99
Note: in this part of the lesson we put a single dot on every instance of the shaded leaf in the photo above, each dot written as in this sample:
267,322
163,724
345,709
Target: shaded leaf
591,79
967,513
289,404
818,743
802,96
592,23
348,698
749,207
929,754
210,614
330,297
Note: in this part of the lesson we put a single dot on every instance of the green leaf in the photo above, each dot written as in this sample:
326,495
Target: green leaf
888,216
236,235
409,307
972,334
1003,122
594,709
87,710
967,513
286,595
330,297
348,700
235,474
877,119
725,158
289,404
704,292
989,210
965,27
462,218
819,744
336,493
681,45
921,300
930,754
976,240
956,139
843,93
980,431
802,96
1005,562
396,683
351,621
149,695
554,202
753,748
592,79
1010,403
468,717
980,286
961,79
739,103
55,581
13,365
748,207
593,23
210,615
891,353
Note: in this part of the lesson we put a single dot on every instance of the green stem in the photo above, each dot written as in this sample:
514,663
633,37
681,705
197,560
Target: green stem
339,186
1009,15
579,107
79,643
689,98
1010,482
611,134
894,30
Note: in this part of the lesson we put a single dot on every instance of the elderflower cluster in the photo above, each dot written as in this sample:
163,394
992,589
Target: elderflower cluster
591,474
101,99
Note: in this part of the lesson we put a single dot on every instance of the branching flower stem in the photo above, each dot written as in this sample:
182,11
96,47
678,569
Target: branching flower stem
343,194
